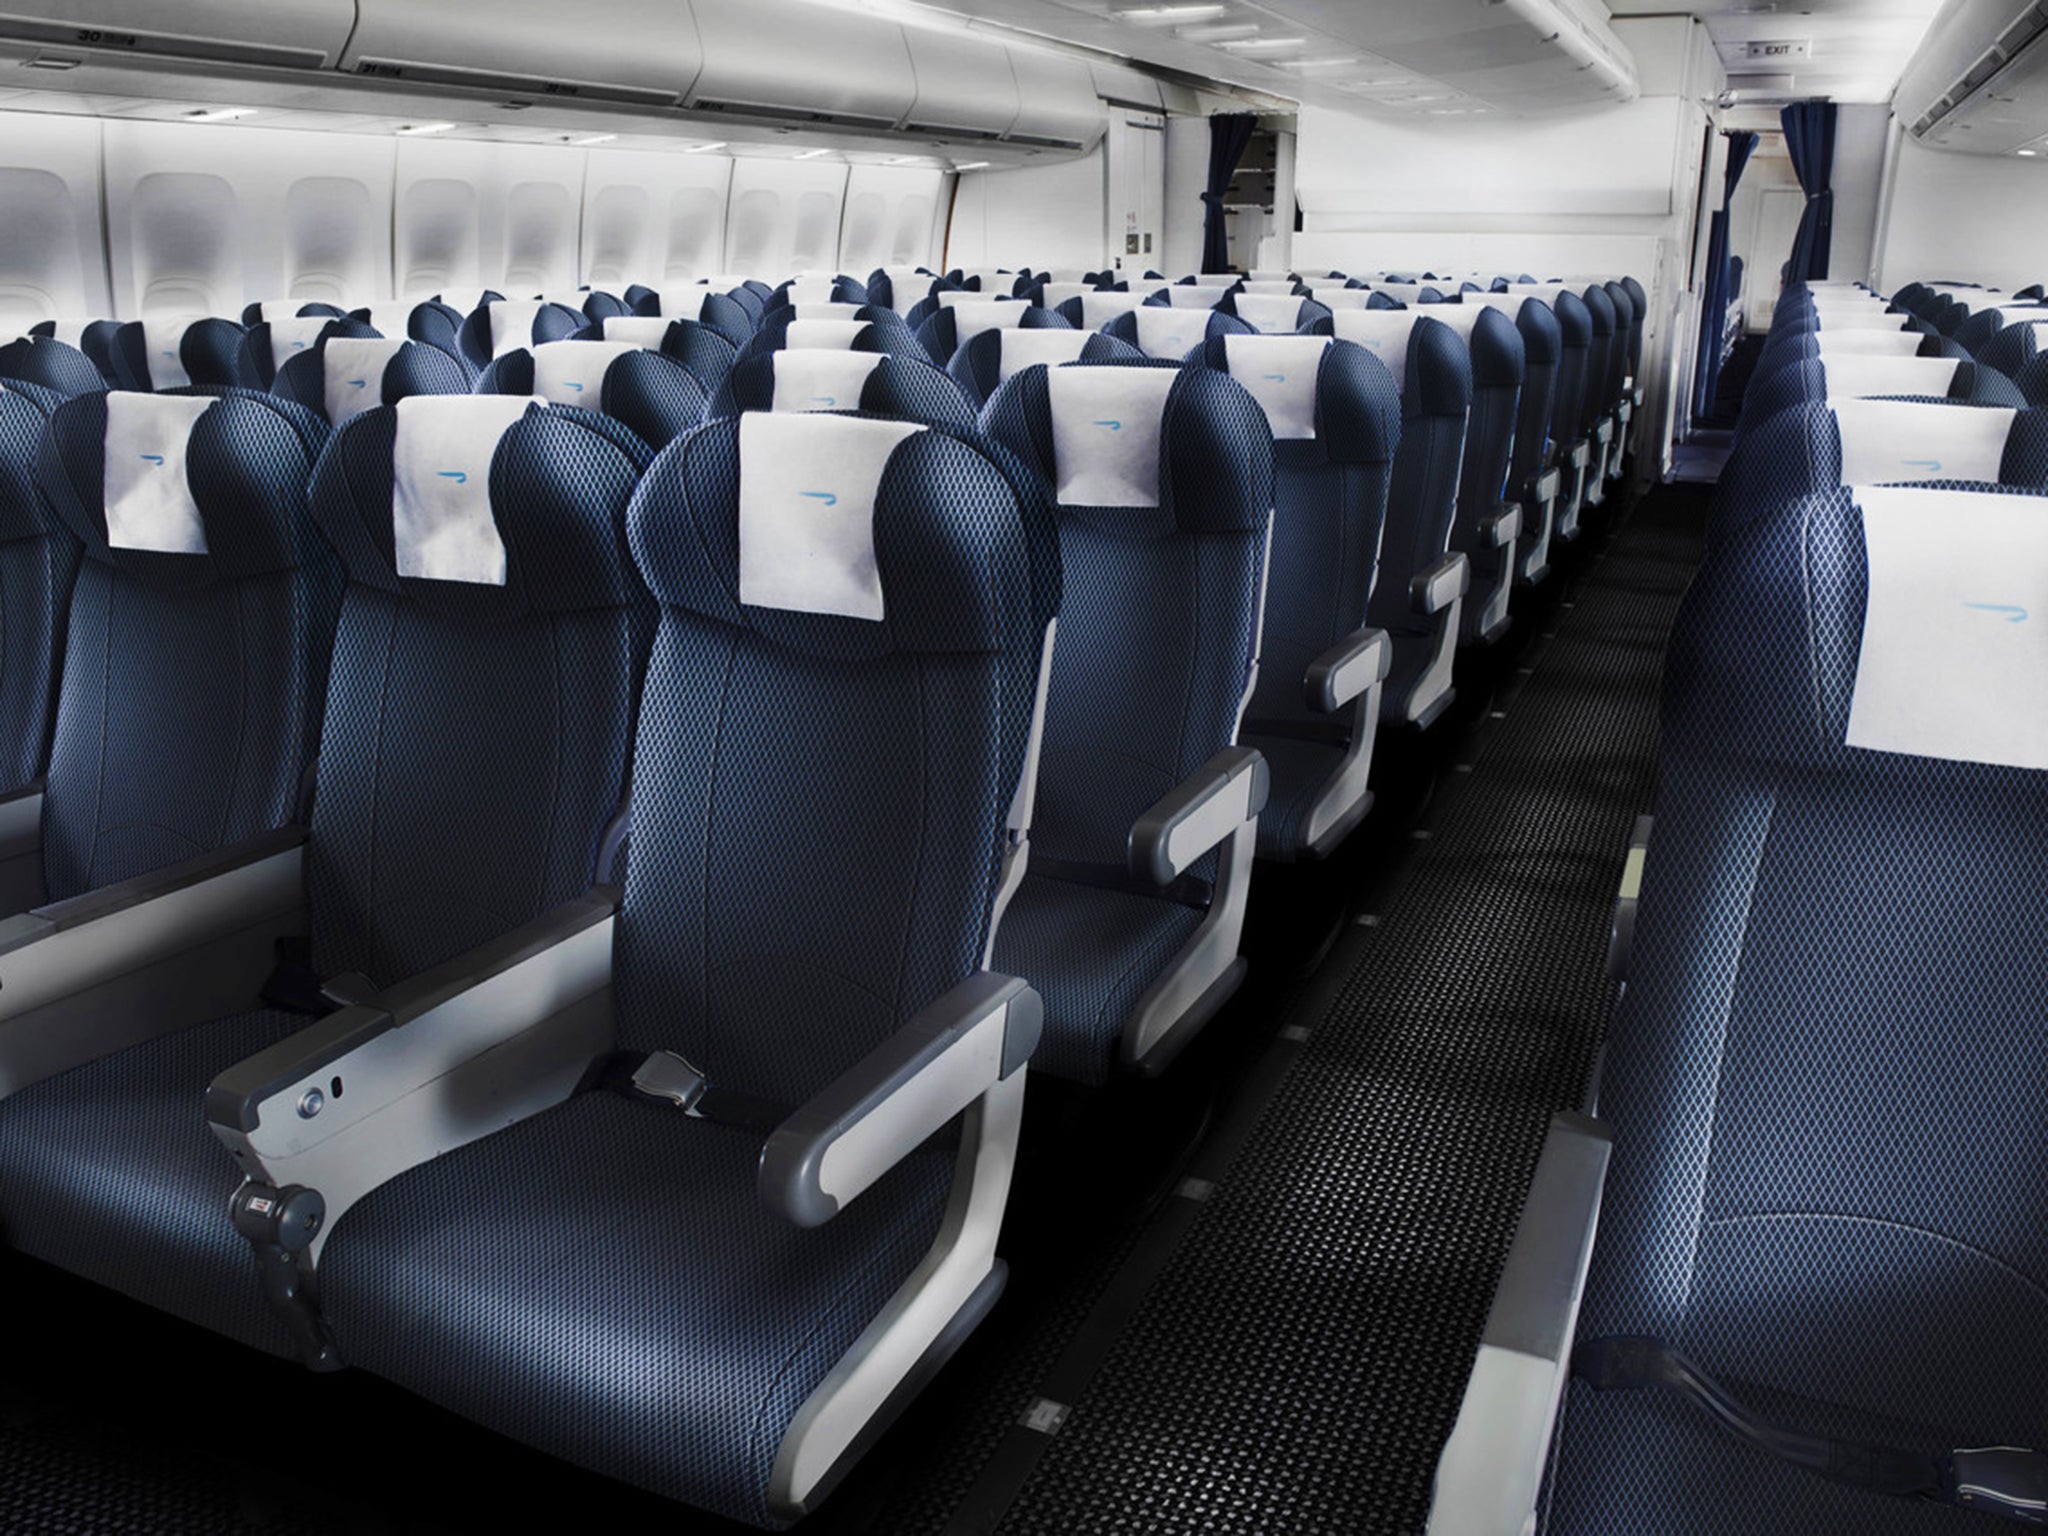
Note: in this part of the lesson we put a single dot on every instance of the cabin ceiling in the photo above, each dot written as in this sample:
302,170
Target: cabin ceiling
1412,57
1856,48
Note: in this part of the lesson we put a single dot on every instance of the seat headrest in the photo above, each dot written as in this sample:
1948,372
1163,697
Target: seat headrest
1282,373
352,373
163,349
1017,350
180,491
50,364
818,380
1891,440
1098,309
1169,334
1195,295
1868,343
574,372
1268,312
830,311
295,334
636,330
1865,375
1053,294
483,507
822,534
831,335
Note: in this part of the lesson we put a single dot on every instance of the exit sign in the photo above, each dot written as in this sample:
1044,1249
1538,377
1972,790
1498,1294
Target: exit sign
1779,52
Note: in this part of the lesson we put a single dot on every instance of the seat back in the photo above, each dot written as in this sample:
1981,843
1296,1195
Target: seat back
198,628
983,365
650,393
1574,360
38,561
1162,481
270,344
95,338
870,710
432,322
594,304
1598,398
50,364
506,325
1275,314
1499,365
900,388
702,348
485,673
1172,335
723,313
171,352
890,335
2015,344
1854,376
346,374
954,325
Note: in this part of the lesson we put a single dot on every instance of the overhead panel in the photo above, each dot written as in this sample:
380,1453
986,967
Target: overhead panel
1979,84
802,63
306,34
1060,108
964,84
638,52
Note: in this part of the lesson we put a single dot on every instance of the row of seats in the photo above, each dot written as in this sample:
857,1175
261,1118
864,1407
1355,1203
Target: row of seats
1820,1271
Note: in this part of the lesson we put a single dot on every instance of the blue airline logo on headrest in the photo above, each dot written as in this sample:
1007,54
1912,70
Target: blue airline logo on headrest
298,345
170,351
358,383
1276,378
1930,465
572,384
154,458
1114,426
2014,614
828,401
825,496
459,476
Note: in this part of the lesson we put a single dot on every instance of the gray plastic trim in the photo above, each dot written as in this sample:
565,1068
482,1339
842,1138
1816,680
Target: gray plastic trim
1198,815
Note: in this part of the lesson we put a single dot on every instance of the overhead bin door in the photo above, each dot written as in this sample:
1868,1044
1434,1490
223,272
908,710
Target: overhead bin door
643,52
305,33
965,85
782,58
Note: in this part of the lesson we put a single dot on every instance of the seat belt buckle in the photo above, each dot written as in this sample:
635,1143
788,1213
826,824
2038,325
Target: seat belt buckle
665,1075
2005,1480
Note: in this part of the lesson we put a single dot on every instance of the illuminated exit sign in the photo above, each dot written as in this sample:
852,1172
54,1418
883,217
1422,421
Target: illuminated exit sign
1779,52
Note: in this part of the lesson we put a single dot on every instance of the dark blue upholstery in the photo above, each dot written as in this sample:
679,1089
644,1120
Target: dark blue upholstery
1329,507
903,388
416,368
1822,1078
2009,349
189,699
552,322
1574,383
1156,641
95,340
697,345
977,366
940,335
253,315
844,290
648,392
1203,326
49,364
207,352
1499,367
38,559
885,333
257,362
723,313
1600,380
882,289
1972,384
436,324
474,746
783,759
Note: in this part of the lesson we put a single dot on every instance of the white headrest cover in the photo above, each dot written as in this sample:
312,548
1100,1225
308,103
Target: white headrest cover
808,311
1547,292
807,511
991,280
463,301
1020,349
1341,297
820,380
572,372
270,311
638,330
2038,327
835,335
1860,320
1509,304
1407,293
956,298
568,298
1269,312
163,339
1833,343
1954,662
1170,333
1182,296
1098,309
1057,294
1462,318
1884,440
1074,275
1280,373
1268,275
294,335
1865,375
1105,434
1384,333
353,368
811,290
391,317
512,324
1281,287
970,320
441,523
148,498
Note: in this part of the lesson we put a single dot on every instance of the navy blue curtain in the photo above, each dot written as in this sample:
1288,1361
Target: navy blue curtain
1716,290
1810,141
1229,135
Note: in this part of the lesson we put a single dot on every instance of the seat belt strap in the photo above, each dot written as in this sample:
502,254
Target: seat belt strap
2009,1481
668,1078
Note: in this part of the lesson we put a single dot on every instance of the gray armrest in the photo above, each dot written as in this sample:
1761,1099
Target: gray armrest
1501,529
1621,937
1347,669
1198,814
1580,454
892,1100
1603,432
95,905
1440,583
239,1097
1547,485
1491,1470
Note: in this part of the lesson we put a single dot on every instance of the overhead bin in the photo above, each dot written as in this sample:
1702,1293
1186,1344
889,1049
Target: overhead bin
308,34
1126,86
642,52
965,85
1059,108
800,63
1980,80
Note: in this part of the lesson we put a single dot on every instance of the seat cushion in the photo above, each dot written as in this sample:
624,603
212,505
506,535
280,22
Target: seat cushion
1091,952
603,1283
111,1171
1300,774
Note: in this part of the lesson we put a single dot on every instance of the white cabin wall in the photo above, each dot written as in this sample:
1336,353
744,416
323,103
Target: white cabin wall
1037,216
53,260
1969,218
1858,180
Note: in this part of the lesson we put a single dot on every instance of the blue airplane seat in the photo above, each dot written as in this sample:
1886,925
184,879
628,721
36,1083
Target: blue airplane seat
1419,596
50,364
38,562
901,387
1171,335
506,325
95,338
172,352
477,725
1278,314
890,335
985,364
1840,874
269,344
1901,377
430,321
648,392
1163,488
723,313
347,374
953,326
1335,414
874,716
1489,516
697,344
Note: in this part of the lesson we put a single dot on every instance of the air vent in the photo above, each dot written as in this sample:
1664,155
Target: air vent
1976,43
500,84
